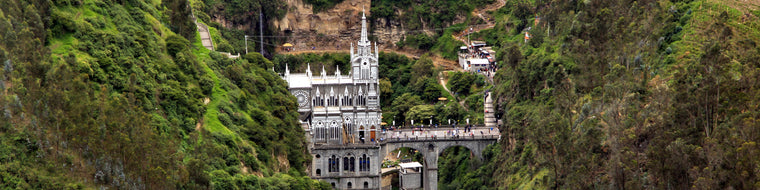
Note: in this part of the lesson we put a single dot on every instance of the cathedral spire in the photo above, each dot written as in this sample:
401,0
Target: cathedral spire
364,41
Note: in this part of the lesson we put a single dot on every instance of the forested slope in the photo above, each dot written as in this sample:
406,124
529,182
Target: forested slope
650,94
101,93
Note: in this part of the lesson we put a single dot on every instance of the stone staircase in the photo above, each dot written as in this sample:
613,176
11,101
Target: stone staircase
489,119
205,36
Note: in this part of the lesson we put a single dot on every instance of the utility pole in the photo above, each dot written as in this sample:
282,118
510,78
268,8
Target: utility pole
261,31
246,44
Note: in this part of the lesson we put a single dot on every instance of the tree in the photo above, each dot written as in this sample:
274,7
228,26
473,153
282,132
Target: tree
422,68
180,15
421,113
403,103
461,82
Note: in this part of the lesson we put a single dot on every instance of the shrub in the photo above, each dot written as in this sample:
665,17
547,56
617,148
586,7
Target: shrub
175,44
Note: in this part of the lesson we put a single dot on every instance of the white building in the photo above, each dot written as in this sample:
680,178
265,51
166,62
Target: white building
341,115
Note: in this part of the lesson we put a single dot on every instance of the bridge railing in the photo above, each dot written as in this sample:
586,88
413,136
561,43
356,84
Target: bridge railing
438,127
383,141
439,138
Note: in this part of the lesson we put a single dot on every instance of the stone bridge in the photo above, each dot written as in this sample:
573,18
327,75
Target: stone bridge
431,143
432,148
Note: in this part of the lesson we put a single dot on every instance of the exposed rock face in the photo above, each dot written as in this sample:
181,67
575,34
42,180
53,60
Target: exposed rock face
388,31
339,25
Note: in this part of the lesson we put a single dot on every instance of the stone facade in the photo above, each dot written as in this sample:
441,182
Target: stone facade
341,115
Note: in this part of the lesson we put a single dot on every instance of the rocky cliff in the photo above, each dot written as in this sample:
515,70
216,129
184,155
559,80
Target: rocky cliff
338,26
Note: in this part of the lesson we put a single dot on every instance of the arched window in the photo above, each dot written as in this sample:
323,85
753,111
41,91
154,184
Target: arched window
364,163
348,185
337,165
334,162
329,164
345,164
361,159
366,185
352,161
319,172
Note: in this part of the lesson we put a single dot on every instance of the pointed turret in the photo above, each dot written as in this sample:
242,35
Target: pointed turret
363,41
308,69
287,71
337,71
377,53
323,72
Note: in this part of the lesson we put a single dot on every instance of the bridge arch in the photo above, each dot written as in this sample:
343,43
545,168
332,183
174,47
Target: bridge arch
431,150
420,150
475,148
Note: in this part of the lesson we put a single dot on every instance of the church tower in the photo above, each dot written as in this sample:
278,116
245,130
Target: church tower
364,66
364,61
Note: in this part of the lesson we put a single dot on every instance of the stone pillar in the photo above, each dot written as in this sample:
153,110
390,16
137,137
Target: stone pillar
431,178
430,174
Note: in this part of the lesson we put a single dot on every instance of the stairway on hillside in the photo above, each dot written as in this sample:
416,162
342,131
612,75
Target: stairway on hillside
489,119
205,36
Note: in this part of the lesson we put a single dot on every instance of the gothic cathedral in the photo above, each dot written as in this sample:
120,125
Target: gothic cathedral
341,117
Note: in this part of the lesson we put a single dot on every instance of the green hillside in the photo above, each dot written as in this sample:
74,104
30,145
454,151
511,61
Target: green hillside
101,93
613,94
618,94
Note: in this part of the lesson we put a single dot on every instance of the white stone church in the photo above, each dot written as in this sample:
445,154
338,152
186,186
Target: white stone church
341,117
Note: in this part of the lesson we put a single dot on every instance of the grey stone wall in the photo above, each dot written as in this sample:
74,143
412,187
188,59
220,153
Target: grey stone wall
411,180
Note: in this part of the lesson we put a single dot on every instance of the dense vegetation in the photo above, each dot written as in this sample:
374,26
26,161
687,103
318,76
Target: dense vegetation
459,169
322,5
627,94
103,93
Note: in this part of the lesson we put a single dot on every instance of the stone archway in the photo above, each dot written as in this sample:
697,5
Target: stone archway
413,154
476,149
